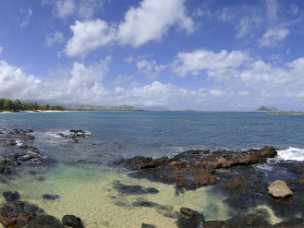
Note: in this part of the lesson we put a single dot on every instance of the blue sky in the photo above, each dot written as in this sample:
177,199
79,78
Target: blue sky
176,54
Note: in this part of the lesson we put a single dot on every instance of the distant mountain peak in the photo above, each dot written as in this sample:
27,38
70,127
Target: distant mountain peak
267,109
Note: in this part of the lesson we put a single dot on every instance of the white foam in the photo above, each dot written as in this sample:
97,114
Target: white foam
291,154
19,143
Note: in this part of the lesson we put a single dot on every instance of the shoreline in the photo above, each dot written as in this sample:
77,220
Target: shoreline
165,192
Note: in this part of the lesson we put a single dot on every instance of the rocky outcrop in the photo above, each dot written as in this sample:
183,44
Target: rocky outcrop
279,189
74,134
15,213
195,168
17,150
189,218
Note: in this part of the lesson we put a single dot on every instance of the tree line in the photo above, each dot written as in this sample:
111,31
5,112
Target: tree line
17,106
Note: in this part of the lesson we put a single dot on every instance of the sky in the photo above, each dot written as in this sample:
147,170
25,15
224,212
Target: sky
211,55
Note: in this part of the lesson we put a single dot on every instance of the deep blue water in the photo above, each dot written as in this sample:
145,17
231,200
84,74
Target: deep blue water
117,134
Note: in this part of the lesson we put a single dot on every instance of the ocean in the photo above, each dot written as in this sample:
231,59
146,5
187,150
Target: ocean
84,175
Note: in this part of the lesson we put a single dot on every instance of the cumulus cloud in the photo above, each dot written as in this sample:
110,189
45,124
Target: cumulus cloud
203,60
54,38
150,21
274,36
88,36
15,83
238,71
80,84
235,79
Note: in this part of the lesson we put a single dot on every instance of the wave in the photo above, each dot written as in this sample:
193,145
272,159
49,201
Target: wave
291,154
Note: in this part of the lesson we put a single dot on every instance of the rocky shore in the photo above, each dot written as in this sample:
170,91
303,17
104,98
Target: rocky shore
246,179
237,176
17,151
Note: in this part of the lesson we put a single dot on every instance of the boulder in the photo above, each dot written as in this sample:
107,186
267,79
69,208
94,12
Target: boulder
72,221
279,189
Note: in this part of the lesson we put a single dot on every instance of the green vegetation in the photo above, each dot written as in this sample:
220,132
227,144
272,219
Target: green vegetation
17,106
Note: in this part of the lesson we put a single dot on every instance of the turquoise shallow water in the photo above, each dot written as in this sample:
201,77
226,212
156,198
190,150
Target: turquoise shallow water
84,181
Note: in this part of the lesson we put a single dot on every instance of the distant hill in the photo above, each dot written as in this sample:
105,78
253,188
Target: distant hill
119,108
267,109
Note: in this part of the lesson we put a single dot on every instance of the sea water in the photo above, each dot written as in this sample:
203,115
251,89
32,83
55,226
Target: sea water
83,177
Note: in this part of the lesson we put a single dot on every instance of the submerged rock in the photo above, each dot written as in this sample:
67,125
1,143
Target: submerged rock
11,196
133,189
189,218
145,225
72,221
279,189
50,197
44,221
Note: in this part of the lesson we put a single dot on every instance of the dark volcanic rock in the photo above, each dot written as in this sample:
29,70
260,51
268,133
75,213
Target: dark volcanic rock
72,221
164,210
44,221
11,196
22,214
18,212
195,168
145,225
189,218
133,189
50,197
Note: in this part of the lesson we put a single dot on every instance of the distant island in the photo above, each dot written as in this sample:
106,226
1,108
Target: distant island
267,109
101,108
8,105
276,111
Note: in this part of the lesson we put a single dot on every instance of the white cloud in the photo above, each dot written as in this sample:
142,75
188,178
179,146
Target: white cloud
245,75
148,22
87,8
26,17
80,84
54,38
274,36
151,20
88,36
15,83
149,67
65,8
272,9
203,60
235,80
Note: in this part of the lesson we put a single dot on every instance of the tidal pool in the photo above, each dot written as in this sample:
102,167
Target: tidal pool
88,193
